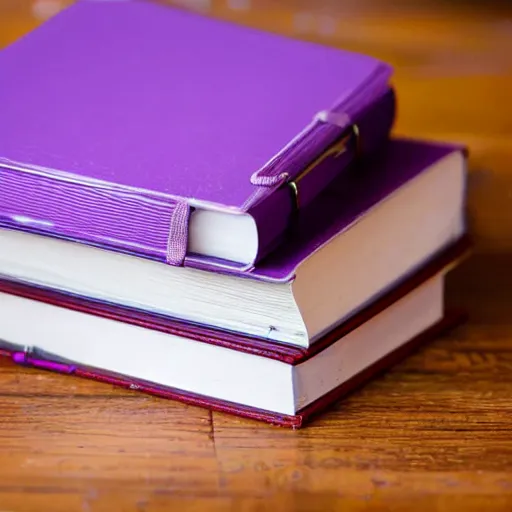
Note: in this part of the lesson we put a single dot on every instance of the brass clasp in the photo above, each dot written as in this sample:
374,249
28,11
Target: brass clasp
334,150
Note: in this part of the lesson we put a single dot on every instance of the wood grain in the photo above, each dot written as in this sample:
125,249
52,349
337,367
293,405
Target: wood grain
435,433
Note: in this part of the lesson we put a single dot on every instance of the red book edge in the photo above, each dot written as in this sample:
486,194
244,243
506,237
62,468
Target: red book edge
449,321
447,258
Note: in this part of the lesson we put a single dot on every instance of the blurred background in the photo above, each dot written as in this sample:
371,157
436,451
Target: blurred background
453,62
439,48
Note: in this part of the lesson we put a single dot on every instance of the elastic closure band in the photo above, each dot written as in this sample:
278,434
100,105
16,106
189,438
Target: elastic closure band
177,242
275,172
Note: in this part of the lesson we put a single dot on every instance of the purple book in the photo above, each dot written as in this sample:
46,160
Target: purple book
364,234
153,131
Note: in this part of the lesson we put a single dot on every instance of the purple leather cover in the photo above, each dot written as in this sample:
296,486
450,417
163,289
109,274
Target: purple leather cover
450,320
116,116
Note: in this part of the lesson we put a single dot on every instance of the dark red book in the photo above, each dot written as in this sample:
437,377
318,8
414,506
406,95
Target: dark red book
273,382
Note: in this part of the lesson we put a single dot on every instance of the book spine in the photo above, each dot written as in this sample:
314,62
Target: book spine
275,213
100,215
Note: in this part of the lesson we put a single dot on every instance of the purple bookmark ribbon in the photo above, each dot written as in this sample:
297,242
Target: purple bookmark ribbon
25,359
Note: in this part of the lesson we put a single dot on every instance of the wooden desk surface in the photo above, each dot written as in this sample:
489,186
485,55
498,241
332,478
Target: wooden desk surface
435,433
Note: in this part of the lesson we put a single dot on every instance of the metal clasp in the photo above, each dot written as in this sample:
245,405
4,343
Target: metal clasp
336,149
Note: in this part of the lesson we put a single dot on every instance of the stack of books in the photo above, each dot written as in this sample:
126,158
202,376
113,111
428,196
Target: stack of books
214,214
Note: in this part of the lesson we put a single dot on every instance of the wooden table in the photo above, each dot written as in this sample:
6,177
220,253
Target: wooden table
435,433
